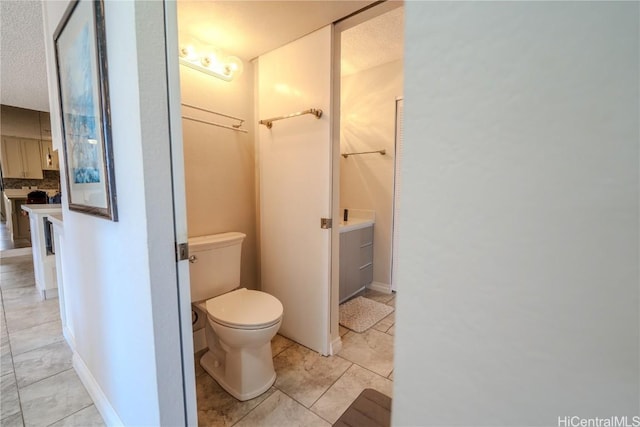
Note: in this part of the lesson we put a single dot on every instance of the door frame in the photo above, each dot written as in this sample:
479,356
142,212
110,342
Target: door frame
178,192
372,11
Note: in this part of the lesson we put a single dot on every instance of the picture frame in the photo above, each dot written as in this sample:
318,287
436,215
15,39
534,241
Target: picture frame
85,116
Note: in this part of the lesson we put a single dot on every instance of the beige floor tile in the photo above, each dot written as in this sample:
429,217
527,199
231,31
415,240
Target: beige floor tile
391,376
386,323
280,343
38,336
9,401
17,279
338,398
16,264
216,407
16,298
41,363
87,417
392,330
343,330
304,374
6,361
14,420
280,410
32,315
392,302
53,399
377,296
371,349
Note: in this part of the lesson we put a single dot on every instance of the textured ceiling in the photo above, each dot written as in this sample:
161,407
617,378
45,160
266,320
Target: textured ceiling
374,42
248,29
23,73
243,28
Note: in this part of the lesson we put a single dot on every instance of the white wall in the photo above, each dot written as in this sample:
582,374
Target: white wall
368,124
519,238
220,163
120,277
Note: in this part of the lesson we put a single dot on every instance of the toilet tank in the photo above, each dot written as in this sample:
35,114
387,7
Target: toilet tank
214,264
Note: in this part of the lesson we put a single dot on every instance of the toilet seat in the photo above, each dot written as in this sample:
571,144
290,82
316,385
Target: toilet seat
245,309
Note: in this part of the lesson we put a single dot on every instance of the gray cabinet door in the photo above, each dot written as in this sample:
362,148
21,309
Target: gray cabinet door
356,261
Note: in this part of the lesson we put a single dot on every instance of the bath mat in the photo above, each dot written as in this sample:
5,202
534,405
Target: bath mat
359,314
371,409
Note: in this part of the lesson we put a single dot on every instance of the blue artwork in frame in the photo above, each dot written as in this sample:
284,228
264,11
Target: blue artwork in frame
81,65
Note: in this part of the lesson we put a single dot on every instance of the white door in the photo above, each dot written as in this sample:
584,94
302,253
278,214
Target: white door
295,185
180,212
396,191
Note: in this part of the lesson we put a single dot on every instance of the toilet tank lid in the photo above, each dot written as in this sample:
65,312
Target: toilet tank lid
216,240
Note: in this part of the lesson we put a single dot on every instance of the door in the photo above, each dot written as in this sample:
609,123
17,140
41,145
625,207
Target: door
396,191
180,212
295,185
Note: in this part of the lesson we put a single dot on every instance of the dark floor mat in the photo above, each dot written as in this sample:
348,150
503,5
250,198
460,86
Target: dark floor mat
370,409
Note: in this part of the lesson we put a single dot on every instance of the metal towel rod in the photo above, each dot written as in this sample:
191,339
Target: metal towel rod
269,122
382,152
232,127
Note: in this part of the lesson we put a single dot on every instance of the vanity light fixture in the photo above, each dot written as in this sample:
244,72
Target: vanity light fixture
212,63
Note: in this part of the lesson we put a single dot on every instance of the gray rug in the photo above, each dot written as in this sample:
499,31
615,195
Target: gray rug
359,314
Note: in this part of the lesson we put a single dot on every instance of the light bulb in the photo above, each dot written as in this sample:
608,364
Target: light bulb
233,66
188,52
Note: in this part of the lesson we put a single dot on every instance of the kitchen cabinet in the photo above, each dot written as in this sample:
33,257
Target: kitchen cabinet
45,125
20,122
356,261
50,160
21,158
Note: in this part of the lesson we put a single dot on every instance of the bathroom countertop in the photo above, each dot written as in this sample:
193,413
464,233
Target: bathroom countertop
355,224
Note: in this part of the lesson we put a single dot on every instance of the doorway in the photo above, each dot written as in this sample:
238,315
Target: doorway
222,163
369,86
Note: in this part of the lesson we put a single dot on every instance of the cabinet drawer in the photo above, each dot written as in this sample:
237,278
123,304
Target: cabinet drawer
366,275
366,236
366,255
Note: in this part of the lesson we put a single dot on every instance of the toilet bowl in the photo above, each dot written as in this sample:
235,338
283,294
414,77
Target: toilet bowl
240,322
240,326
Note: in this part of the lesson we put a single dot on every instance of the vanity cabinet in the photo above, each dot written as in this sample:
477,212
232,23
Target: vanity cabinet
356,261
21,158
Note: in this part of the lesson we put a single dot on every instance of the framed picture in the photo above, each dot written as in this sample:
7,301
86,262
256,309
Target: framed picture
81,64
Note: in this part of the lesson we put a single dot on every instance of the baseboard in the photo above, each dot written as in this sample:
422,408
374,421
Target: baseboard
336,346
107,412
68,336
380,287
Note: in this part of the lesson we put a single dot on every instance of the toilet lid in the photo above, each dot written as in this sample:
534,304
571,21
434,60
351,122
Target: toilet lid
245,309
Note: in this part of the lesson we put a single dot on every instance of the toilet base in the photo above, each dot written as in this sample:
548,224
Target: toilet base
216,369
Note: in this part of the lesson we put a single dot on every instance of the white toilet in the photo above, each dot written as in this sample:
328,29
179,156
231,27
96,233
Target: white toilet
241,322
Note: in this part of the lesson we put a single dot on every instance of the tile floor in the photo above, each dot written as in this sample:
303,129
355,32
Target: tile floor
38,386
310,390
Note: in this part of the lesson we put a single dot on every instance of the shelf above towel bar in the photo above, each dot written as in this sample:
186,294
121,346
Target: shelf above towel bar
269,122
382,152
